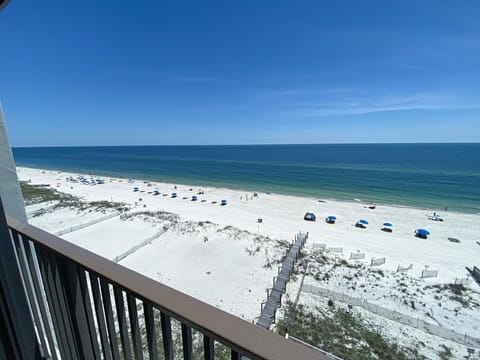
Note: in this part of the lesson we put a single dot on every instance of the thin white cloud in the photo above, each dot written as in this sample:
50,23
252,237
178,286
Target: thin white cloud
358,106
303,92
195,79
335,102
206,80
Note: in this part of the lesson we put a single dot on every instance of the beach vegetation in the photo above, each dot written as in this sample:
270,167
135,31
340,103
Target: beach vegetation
340,332
445,353
36,194
349,265
108,205
455,292
158,215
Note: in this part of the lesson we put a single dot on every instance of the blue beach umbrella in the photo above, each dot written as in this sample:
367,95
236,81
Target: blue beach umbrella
174,195
223,202
194,198
422,232
331,219
362,221
387,224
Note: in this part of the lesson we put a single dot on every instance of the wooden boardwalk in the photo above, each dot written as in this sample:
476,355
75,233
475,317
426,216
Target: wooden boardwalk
274,298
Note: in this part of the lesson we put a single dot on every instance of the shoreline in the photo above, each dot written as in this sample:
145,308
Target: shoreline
283,217
252,188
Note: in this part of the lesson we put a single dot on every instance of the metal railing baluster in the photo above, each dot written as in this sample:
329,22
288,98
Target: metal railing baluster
40,295
208,348
56,303
151,331
187,342
235,355
167,336
85,308
134,327
97,301
107,307
28,285
122,323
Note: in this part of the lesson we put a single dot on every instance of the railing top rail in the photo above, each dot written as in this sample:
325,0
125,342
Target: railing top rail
233,330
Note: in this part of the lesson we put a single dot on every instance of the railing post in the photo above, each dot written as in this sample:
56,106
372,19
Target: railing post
17,332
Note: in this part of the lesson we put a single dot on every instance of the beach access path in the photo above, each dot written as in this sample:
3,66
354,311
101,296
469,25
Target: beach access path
274,299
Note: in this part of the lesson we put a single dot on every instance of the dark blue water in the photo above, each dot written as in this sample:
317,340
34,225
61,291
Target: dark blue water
422,175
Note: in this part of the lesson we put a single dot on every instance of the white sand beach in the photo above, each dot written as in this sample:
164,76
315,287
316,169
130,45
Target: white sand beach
224,256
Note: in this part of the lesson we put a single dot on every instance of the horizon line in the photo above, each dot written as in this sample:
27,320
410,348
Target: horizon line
260,144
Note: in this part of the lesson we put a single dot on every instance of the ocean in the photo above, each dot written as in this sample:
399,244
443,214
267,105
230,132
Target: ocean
431,176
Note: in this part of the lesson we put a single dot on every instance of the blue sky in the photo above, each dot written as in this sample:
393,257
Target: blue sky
239,72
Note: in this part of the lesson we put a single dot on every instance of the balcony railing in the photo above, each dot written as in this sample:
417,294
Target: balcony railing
83,306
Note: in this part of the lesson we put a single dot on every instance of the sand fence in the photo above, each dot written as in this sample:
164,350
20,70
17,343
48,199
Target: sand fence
139,246
87,224
417,323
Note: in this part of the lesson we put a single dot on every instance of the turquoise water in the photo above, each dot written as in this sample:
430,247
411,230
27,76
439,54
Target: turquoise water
422,175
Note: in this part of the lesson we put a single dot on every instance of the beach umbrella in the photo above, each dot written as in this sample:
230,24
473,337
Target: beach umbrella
362,221
422,232
194,198
223,202
331,219
310,216
387,224
174,195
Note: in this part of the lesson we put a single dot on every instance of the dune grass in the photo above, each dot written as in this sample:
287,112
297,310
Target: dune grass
342,333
